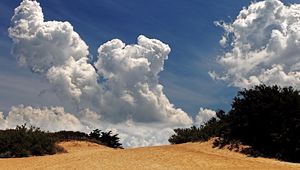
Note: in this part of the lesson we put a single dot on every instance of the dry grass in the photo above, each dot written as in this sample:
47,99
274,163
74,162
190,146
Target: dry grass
84,155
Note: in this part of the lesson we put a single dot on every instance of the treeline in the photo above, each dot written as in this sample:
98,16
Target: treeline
26,141
194,134
266,118
96,136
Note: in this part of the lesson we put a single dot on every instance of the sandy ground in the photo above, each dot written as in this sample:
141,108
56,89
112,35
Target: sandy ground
84,155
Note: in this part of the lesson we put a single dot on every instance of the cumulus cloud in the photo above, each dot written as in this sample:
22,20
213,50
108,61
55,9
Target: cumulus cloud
126,84
264,46
121,86
54,50
131,78
131,133
134,134
204,115
50,119
3,122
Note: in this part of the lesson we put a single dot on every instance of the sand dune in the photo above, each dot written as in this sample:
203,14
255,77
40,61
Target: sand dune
84,155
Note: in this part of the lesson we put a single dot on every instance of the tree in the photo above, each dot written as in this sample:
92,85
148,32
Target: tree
23,141
106,138
110,140
268,119
95,134
203,133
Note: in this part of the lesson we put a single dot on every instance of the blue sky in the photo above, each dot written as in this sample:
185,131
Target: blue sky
187,26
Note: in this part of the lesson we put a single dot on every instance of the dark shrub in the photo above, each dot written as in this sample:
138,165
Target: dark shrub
267,119
69,135
23,141
106,138
203,133
183,135
96,136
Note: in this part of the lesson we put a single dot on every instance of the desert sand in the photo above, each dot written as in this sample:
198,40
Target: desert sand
85,155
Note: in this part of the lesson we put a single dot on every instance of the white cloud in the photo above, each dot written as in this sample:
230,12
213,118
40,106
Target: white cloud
131,134
49,119
130,87
124,88
54,50
131,78
3,122
136,134
264,46
204,115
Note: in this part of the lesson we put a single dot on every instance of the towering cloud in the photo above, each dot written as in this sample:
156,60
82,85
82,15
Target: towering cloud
130,75
123,85
264,46
54,50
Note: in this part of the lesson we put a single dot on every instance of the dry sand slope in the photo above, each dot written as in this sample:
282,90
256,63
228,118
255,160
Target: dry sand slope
83,155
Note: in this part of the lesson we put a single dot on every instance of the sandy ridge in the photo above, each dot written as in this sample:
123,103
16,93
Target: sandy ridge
84,155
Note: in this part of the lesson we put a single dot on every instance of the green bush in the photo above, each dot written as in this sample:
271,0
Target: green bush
31,141
106,138
96,136
203,133
267,118
69,135
23,142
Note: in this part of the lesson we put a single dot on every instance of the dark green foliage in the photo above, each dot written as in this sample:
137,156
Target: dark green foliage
106,138
267,119
183,135
96,136
23,142
69,135
203,133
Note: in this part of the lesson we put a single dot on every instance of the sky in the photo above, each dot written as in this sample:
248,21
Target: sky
200,52
188,27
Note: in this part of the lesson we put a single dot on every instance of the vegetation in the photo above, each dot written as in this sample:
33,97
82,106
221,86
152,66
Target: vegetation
96,136
203,133
266,118
24,141
69,135
106,138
